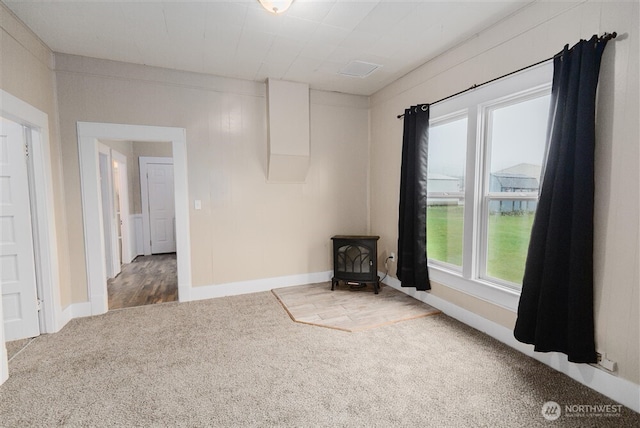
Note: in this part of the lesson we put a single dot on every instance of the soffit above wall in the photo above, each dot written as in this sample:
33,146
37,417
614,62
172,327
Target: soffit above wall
288,131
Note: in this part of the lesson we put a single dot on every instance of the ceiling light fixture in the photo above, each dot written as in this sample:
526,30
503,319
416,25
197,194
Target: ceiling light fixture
277,7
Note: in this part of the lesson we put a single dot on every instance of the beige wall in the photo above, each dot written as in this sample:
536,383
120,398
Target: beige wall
143,148
264,224
26,72
132,150
536,33
125,148
247,228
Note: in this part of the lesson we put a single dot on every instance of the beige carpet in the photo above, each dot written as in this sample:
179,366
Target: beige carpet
16,346
242,362
350,309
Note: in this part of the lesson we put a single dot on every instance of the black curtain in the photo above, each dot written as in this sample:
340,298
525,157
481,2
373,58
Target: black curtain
412,219
555,312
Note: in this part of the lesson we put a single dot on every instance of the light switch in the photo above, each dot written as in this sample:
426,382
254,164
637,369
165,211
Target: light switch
198,204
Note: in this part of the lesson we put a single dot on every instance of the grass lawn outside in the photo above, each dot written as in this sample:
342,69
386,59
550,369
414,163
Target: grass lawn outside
507,244
444,233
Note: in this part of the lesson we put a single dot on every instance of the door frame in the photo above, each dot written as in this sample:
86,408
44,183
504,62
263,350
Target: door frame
88,135
42,208
144,196
43,217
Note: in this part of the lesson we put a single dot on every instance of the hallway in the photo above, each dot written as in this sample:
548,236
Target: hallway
145,281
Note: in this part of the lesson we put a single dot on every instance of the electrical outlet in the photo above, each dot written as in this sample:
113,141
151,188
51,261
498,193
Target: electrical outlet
392,257
606,363
612,366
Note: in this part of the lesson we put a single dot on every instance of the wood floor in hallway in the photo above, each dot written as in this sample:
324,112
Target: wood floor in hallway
145,281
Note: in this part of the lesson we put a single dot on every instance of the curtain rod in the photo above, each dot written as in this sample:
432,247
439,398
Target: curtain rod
605,36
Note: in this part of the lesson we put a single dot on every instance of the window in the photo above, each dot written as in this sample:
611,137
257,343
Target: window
486,151
445,187
514,143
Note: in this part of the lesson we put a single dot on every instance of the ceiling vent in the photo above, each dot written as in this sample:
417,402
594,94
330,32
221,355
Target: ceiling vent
359,69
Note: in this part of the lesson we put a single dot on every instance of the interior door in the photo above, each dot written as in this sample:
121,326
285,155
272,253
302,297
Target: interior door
117,205
17,265
161,208
121,204
112,261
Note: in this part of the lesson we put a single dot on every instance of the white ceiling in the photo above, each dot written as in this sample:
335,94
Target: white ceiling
310,43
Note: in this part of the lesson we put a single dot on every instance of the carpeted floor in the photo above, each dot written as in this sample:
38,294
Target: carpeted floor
241,361
16,346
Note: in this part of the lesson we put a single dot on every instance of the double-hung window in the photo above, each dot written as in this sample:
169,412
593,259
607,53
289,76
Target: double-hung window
486,155
445,187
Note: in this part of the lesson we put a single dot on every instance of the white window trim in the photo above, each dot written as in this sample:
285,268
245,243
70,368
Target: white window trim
529,82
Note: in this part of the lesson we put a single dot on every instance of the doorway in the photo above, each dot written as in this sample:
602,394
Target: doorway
112,259
36,126
121,201
114,197
88,135
151,277
17,257
147,280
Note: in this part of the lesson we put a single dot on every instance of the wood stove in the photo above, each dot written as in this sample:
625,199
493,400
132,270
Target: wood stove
355,261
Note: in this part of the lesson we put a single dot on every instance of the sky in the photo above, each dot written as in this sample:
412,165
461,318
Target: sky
517,135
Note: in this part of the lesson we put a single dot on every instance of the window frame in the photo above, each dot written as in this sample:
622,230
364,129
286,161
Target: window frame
518,87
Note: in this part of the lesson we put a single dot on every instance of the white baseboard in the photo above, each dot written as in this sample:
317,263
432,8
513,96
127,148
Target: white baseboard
254,286
84,309
75,310
610,385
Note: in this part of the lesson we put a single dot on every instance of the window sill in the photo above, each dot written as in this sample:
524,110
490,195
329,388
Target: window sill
483,290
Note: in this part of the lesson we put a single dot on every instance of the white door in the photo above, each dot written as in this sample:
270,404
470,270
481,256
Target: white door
117,205
17,266
121,204
112,261
161,208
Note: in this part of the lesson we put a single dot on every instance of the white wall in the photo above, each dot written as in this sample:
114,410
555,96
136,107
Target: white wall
536,33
